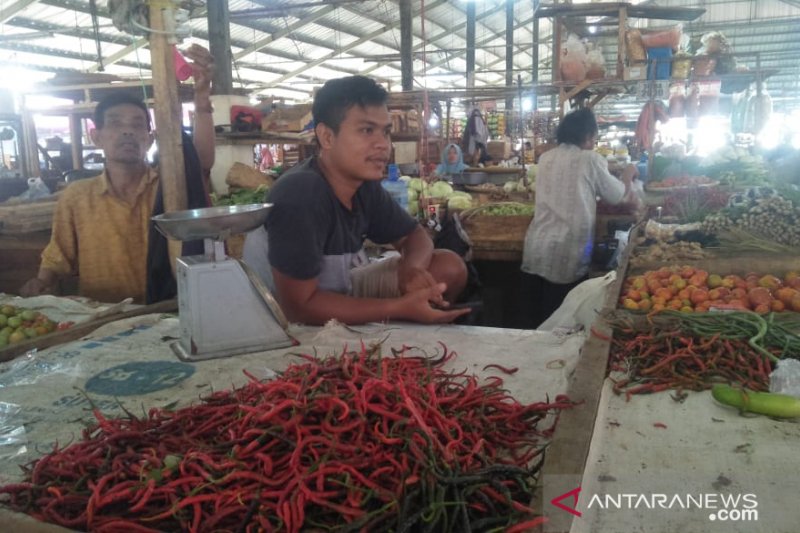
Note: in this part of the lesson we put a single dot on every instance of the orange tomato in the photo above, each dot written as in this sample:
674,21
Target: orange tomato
738,293
786,294
761,309
778,306
759,296
702,307
664,293
698,296
738,304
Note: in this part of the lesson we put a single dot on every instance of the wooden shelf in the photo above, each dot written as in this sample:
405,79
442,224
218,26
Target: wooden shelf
262,137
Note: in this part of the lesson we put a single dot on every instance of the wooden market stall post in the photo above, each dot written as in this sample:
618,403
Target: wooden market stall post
168,118
168,113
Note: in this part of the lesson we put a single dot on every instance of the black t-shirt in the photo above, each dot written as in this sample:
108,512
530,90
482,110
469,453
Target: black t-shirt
312,235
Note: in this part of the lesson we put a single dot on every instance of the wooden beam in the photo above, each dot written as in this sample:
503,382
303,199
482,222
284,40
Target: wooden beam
168,116
219,42
7,13
509,57
622,29
471,44
406,46
76,140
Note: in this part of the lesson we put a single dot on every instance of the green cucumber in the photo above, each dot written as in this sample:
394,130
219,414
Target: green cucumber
764,403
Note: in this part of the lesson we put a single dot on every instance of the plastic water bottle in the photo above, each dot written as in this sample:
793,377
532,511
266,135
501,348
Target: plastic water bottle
396,188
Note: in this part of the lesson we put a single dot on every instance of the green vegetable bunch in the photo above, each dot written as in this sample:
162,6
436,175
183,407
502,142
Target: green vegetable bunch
241,197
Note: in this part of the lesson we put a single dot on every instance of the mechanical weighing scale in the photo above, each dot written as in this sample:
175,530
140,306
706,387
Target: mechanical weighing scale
224,307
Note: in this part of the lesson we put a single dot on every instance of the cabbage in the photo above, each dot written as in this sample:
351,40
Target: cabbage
416,184
461,193
413,195
441,189
510,186
459,202
413,208
404,178
532,172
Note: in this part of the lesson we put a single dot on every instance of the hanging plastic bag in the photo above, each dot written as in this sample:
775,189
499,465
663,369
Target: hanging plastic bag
635,47
573,60
36,189
677,101
665,38
595,64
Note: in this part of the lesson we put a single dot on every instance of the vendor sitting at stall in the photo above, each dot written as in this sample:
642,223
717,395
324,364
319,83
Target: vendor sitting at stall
101,228
327,206
452,163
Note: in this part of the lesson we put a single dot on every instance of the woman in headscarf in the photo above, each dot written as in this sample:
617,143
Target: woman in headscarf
452,162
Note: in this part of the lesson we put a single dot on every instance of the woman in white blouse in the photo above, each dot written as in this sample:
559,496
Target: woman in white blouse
559,241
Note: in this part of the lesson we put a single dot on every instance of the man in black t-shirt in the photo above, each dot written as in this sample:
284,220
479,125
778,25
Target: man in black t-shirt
326,207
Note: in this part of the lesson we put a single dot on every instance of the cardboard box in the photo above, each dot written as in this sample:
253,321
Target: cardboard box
635,72
293,118
499,150
405,152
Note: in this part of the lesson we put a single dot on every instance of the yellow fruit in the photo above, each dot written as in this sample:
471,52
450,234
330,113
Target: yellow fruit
630,304
714,281
17,336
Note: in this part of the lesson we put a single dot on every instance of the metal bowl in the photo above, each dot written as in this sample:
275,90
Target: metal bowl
217,223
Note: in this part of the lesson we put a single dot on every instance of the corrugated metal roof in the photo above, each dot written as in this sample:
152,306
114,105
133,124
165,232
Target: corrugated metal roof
342,36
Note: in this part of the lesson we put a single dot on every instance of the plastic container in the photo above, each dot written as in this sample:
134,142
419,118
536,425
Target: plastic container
183,70
659,63
398,189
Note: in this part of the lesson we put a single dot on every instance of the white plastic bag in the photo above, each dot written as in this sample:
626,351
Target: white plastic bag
573,59
595,64
785,379
581,305
36,189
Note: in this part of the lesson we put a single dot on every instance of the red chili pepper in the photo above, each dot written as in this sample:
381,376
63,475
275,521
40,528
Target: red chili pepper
504,369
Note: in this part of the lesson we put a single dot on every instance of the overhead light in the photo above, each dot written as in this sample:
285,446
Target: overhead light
527,104
433,121
254,100
592,29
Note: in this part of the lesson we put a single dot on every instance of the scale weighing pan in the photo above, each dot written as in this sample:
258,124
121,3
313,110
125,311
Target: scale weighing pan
215,223
224,308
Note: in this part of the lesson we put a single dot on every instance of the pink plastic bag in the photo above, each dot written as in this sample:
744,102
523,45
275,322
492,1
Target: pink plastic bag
666,38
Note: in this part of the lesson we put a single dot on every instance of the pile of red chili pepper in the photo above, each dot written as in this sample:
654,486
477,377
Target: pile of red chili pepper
660,360
669,350
356,442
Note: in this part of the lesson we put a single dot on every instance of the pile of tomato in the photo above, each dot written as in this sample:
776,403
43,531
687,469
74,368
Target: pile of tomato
688,289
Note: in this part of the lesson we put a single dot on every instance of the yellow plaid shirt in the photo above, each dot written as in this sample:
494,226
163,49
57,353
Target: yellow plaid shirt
102,238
